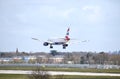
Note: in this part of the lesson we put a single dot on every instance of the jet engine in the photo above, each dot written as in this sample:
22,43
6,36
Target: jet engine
45,43
65,45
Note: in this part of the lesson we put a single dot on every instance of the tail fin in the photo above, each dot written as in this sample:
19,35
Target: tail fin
67,35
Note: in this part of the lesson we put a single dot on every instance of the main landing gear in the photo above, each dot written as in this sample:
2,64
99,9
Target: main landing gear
51,46
64,46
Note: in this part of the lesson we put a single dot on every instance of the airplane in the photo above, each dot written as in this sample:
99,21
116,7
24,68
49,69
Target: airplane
59,41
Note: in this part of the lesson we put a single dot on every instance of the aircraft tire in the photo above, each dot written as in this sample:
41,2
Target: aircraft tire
64,47
51,46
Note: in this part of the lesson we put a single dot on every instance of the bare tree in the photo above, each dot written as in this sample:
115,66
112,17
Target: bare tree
115,59
101,58
39,73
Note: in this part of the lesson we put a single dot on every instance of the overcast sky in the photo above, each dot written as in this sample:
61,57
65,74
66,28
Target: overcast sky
94,20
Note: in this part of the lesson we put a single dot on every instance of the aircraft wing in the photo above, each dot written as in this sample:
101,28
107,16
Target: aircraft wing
49,41
35,39
38,40
74,41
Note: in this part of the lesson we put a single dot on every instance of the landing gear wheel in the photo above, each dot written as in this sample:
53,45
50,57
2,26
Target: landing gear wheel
51,46
64,47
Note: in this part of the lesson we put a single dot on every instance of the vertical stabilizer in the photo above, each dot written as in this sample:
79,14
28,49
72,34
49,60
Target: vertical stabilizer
67,35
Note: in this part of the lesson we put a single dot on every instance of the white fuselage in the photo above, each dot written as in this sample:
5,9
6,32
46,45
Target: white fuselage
58,41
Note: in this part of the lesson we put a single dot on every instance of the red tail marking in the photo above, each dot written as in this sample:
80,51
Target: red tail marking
67,38
67,35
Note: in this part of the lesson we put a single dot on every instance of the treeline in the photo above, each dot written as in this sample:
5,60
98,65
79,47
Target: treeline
72,57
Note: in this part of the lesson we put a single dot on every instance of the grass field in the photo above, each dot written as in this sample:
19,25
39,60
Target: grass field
16,76
12,76
62,69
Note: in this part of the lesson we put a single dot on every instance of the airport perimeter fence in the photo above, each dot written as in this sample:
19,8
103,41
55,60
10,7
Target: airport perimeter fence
82,66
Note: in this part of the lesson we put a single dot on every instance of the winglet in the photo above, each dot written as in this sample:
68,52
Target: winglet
34,39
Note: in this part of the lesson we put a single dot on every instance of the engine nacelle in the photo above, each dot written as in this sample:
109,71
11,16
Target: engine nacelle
45,43
65,45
